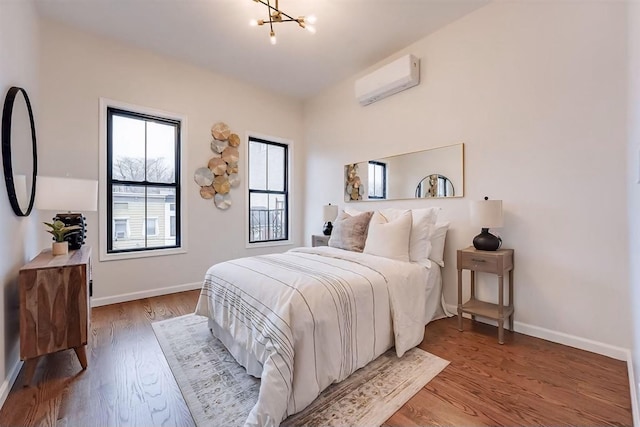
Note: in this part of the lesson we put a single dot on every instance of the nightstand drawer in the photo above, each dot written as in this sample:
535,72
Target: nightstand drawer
485,261
479,262
317,240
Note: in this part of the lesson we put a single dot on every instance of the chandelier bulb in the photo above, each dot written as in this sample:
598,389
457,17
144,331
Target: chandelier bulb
277,16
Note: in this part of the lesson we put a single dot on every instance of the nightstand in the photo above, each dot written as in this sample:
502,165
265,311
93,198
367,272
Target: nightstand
496,262
319,240
54,306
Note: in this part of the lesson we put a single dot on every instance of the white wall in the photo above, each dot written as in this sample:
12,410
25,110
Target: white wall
18,67
78,68
633,180
537,92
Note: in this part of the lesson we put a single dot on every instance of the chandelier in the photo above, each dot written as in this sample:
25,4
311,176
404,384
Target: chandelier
276,16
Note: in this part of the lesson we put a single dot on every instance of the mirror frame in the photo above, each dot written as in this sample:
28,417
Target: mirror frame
7,114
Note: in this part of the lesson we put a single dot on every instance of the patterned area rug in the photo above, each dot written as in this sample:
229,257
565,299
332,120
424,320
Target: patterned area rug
218,391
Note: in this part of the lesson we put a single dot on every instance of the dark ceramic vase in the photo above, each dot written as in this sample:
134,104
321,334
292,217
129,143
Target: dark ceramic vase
486,241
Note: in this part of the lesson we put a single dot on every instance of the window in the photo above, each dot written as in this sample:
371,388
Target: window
143,181
172,226
268,191
152,227
377,180
120,228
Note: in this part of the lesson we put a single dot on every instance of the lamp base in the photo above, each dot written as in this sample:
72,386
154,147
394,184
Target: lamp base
75,239
328,227
486,241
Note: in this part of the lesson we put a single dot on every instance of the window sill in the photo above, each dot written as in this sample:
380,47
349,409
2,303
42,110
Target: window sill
142,254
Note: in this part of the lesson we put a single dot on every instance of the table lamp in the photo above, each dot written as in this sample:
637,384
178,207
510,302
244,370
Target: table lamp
329,214
486,214
70,195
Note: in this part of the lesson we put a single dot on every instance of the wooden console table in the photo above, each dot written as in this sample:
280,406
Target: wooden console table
54,306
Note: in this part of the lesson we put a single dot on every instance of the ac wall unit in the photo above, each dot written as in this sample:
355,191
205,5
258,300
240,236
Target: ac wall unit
394,77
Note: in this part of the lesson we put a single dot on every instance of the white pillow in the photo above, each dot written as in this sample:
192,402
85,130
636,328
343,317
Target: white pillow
389,238
437,238
423,221
351,211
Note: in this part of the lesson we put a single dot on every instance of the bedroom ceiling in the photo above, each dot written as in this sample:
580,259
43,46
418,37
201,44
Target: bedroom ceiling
351,34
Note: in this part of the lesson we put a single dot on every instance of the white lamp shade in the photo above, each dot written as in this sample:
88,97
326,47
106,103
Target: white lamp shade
66,194
329,213
486,213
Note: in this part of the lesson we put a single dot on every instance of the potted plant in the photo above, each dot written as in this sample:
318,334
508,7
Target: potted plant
59,230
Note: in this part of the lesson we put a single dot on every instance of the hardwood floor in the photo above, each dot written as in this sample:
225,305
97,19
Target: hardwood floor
526,381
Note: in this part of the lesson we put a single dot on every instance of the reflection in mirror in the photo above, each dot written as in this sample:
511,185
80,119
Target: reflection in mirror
435,185
19,158
438,172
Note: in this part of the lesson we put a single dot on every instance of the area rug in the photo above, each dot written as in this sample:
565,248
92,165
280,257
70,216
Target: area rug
219,392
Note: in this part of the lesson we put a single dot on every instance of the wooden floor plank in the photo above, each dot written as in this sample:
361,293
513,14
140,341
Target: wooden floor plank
526,381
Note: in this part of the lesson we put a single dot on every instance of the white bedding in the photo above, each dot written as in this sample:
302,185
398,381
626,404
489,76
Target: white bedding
311,316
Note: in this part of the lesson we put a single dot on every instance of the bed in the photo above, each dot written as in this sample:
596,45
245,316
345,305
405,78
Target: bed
309,317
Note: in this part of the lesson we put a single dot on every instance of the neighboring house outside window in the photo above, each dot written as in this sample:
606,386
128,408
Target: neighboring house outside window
269,203
143,181
377,184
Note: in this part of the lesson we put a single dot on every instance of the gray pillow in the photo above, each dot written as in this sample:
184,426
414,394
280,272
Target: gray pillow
350,232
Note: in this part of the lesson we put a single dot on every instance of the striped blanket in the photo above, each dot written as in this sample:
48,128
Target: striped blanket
309,317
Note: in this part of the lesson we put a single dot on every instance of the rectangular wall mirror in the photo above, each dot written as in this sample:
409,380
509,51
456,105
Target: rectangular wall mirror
433,173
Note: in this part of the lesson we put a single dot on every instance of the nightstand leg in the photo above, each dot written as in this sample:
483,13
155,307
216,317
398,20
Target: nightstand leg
81,352
459,300
511,299
473,290
501,309
29,369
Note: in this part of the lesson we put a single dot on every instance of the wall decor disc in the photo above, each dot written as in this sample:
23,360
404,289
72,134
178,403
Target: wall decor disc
234,179
234,140
231,155
207,192
217,166
221,184
219,146
203,177
220,131
222,201
232,167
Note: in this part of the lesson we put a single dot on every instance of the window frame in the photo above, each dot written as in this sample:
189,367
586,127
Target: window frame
105,184
289,202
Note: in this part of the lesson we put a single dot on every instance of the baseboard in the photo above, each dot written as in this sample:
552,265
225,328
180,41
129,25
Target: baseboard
97,302
5,388
612,351
635,410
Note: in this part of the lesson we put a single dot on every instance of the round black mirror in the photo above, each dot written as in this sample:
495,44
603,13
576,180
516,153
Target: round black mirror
19,153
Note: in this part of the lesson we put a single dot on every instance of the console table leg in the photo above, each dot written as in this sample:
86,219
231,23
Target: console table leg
29,369
81,352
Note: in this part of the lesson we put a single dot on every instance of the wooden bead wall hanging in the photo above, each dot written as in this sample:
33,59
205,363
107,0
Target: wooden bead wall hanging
221,173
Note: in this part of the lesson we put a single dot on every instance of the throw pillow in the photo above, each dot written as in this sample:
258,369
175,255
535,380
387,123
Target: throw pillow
350,232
